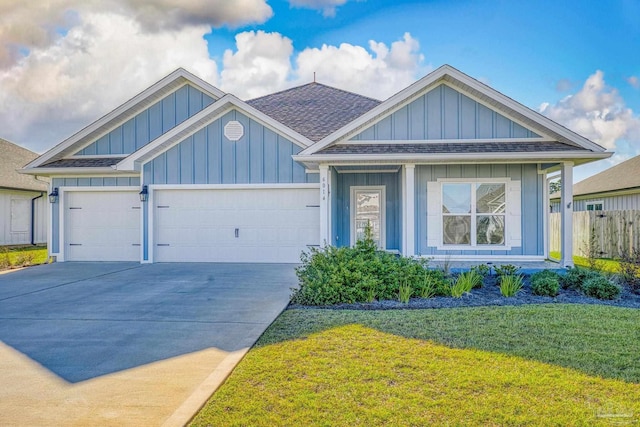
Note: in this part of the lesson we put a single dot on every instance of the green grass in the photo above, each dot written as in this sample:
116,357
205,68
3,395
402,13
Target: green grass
18,256
527,365
604,264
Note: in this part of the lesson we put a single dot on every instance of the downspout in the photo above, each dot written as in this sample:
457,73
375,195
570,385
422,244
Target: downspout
33,218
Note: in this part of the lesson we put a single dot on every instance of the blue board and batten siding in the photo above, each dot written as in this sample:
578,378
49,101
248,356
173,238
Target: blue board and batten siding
532,219
146,126
82,182
341,205
444,113
261,156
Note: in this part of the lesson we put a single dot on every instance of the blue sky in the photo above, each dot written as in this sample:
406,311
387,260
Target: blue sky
64,64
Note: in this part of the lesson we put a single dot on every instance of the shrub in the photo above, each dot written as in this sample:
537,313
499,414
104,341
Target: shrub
483,270
510,285
545,283
404,293
362,273
630,269
464,283
506,270
576,277
600,287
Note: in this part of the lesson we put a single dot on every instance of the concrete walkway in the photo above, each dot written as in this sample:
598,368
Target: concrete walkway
127,344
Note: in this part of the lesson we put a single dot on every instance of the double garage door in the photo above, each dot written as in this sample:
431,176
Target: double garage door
252,225
249,225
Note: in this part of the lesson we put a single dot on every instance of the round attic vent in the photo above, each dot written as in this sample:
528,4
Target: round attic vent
233,130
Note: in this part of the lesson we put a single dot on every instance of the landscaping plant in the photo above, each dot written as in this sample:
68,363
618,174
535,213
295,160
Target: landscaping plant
600,287
545,283
483,270
510,284
576,277
506,270
630,269
465,282
404,293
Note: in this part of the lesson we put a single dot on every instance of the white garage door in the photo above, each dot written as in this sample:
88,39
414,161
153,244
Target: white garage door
252,225
102,226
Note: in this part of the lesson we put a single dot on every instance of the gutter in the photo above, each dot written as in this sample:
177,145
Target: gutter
33,218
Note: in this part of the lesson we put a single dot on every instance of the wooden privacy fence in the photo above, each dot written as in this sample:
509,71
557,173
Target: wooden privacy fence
614,232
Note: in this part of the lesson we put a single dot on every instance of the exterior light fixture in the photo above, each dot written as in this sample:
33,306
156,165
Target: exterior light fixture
144,194
53,196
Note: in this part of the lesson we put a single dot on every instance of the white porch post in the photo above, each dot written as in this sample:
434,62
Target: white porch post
409,196
325,206
566,202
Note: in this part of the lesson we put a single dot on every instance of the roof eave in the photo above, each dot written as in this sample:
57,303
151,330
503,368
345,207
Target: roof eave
44,171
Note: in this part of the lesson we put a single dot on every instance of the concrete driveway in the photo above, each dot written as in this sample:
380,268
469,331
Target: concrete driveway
125,343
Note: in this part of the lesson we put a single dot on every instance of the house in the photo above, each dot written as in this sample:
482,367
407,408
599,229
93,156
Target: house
614,189
23,206
446,168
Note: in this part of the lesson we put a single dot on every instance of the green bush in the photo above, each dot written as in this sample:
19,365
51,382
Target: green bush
510,285
576,277
404,293
433,283
545,283
506,270
483,270
362,273
600,287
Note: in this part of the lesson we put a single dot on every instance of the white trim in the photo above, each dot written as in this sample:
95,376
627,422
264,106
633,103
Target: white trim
409,206
151,214
307,170
352,214
545,214
566,204
102,188
441,141
473,245
229,186
66,171
143,100
369,170
448,75
50,227
325,213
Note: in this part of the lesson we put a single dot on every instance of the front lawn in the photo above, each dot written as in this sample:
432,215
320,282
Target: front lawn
525,365
22,256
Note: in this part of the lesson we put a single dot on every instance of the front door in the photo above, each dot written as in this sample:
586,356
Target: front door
367,207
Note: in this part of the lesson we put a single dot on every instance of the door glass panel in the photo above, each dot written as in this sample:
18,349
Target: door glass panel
368,212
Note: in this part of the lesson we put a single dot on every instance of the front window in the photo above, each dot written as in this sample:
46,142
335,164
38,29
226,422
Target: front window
473,214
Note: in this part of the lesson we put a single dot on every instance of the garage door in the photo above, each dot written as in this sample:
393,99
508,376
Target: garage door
102,226
253,225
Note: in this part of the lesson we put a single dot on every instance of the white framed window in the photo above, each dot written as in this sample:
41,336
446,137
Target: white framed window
479,214
368,207
595,205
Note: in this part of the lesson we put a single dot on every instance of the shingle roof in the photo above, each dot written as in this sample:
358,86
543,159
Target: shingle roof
623,176
14,157
314,110
434,148
95,162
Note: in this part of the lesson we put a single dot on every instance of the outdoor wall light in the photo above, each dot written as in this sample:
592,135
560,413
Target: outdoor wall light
53,196
144,194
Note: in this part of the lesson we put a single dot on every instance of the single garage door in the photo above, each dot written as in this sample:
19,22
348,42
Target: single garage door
102,226
250,225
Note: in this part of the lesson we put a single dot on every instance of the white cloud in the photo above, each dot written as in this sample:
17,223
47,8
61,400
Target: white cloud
39,24
92,69
597,112
260,65
634,82
328,7
378,72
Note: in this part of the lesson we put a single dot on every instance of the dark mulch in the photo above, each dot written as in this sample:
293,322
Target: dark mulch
489,295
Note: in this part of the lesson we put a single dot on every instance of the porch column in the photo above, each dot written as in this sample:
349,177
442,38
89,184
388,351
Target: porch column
566,203
325,206
409,202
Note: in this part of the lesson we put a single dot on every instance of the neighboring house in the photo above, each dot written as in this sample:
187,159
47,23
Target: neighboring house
447,168
614,189
23,199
